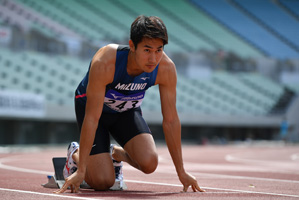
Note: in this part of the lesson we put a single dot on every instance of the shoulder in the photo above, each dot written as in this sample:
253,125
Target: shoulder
166,62
166,71
105,54
103,62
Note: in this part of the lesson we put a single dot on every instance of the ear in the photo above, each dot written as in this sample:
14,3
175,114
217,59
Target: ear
132,46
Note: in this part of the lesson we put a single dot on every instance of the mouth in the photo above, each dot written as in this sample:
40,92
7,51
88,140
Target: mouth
150,66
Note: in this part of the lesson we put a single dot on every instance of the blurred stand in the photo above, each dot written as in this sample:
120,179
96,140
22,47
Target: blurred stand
222,95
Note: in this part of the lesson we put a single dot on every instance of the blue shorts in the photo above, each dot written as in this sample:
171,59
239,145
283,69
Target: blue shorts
122,126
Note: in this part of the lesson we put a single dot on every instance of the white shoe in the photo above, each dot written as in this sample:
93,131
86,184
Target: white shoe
118,170
119,179
70,166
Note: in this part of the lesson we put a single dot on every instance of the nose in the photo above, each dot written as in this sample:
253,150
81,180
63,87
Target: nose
152,58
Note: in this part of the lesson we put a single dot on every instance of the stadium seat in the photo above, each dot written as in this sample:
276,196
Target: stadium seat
236,20
200,22
274,18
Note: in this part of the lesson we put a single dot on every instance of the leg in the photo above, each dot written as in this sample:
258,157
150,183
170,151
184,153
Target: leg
134,135
140,152
100,171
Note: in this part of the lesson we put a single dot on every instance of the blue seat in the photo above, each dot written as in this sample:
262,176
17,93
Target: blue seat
274,17
244,26
292,5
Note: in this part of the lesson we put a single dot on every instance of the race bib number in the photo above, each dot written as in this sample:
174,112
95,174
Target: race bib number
120,103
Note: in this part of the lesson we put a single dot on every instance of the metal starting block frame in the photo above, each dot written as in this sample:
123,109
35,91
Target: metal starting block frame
57,181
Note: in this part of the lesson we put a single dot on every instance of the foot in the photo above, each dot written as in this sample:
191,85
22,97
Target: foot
70,166
118,170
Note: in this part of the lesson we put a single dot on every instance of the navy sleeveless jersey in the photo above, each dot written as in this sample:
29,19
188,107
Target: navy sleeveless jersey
125,92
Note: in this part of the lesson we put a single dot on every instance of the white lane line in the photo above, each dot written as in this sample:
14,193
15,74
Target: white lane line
245,177
231,158
47,194
284,167
136,181
223,176
18,169
295,157
164,169
212,188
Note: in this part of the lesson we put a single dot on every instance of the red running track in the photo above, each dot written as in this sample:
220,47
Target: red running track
225,172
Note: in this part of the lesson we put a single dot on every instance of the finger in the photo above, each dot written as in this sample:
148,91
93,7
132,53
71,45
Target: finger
193,188
185,188
199,189
76,189
63,189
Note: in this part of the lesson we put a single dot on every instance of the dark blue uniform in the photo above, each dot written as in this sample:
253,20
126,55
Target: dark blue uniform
121,116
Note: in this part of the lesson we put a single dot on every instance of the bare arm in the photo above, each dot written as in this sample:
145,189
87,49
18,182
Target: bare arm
101,73
167,80
171,122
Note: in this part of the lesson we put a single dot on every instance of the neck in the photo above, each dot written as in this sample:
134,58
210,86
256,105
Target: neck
132,67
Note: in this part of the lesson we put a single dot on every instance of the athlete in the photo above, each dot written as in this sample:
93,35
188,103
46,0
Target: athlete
108,102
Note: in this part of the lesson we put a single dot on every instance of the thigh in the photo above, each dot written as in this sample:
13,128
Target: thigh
129,124
80,113
133,134
101,142
141,148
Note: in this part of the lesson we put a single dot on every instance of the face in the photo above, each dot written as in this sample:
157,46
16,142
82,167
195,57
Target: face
148,53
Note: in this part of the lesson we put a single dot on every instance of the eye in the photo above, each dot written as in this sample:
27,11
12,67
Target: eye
159,51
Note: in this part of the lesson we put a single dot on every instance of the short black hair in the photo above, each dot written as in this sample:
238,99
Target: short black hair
150,27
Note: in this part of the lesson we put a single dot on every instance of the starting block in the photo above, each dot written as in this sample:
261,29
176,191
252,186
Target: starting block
57,181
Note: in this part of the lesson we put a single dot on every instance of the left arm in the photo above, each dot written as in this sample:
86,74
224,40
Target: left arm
171,122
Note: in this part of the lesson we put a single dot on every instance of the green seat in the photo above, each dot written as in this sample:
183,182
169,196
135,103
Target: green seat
200,22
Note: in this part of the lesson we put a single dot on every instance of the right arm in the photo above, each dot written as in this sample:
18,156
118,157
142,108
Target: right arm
101,73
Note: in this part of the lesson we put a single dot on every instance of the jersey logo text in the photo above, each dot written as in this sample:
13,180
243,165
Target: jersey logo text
131,86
